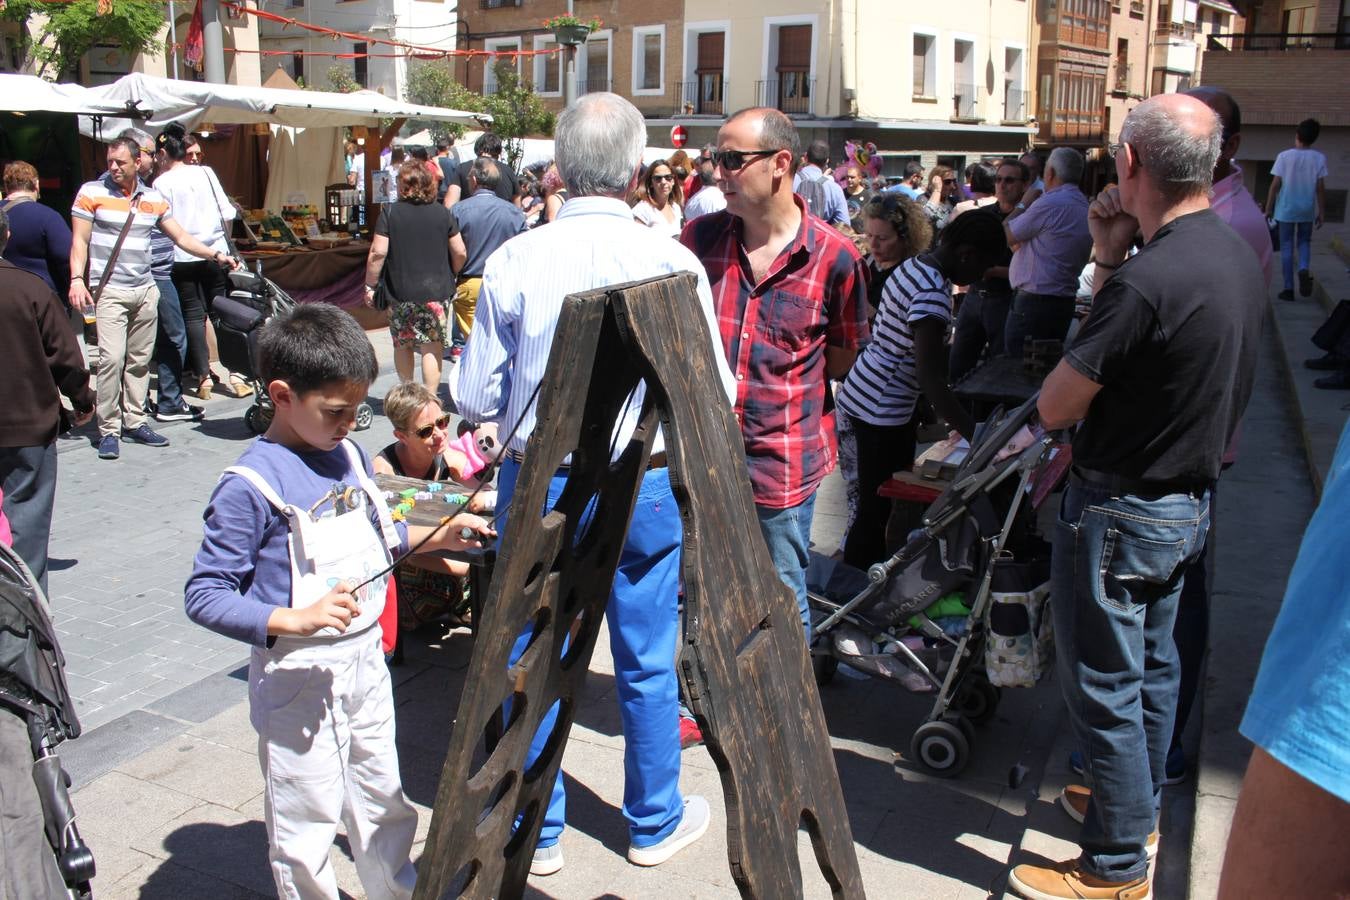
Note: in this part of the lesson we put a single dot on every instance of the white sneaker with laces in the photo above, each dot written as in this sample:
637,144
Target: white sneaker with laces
547,860
691,828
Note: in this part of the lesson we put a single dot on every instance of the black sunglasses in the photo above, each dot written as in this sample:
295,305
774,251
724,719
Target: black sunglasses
439,425
663,178
735,160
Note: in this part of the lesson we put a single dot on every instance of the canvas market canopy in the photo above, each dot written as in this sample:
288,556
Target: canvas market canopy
306,153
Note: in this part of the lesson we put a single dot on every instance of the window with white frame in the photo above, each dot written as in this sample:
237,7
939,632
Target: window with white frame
925,65
965,94
498,45
649,60
548,67
1014,90
595,71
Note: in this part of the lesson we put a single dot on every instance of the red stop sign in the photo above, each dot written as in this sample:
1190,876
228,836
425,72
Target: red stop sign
678,136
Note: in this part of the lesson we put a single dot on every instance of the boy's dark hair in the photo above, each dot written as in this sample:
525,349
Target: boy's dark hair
1307,131
314,345
979,228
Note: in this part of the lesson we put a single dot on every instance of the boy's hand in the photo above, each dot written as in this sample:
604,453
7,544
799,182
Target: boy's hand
335,609
469,532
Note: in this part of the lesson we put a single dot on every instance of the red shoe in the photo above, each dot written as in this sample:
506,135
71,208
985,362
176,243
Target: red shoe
690,734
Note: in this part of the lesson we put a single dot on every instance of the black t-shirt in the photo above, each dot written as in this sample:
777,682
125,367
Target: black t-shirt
506,185
417,268
1172,339
449,173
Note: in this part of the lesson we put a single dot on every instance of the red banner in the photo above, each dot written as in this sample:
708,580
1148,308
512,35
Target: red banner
194,49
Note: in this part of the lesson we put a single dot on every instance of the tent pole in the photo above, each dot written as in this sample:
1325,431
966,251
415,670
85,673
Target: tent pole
213,42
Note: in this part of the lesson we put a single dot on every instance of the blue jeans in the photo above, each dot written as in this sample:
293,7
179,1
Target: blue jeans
1288,231
643,622
170,345
1117,569
1041,317
788,534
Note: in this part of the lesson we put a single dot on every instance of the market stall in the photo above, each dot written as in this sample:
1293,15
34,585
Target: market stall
305,158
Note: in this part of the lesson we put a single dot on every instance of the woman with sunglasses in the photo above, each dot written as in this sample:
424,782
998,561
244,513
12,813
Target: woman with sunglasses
660,200
941,197
430,588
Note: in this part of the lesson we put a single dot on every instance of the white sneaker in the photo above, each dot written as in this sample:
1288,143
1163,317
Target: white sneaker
547,860
691,828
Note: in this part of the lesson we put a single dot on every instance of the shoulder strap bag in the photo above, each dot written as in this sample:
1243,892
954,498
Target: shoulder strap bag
117,247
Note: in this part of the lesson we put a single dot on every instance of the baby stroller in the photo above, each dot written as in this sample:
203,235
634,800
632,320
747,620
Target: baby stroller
921,617
44,848
253,299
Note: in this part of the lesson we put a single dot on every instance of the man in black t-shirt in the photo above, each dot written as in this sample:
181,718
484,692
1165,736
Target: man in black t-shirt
1158,377
487,146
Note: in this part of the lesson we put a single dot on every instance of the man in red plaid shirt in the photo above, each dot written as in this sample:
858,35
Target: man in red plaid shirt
790,294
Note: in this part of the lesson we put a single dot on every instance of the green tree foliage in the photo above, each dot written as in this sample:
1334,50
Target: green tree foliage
434,84
341,80
516,110
73,29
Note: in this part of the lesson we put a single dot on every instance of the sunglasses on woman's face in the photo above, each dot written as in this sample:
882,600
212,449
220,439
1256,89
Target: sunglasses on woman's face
439,425
663,178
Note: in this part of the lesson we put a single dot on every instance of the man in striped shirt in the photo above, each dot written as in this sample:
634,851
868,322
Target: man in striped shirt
791,298
127,306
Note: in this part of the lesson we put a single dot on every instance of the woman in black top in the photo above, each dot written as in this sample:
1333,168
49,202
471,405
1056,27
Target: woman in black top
419,276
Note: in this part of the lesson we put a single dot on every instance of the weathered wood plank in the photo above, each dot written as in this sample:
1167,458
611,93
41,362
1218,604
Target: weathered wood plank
745,663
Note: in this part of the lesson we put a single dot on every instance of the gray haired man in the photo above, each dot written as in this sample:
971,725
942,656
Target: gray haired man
1050,243
592,244
1158,377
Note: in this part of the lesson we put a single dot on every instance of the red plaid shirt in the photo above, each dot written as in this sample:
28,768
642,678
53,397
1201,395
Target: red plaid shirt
775,334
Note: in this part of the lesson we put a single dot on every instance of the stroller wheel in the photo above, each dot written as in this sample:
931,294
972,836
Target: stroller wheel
824,666
364,416
967,729
940,748
254,420
978,700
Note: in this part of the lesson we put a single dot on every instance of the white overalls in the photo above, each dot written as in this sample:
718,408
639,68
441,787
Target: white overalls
324,712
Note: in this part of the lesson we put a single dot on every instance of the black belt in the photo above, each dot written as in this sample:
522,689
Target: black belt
655,461
1147,487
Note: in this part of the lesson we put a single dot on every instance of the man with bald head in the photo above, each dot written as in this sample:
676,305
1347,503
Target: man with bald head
1157,377
791,299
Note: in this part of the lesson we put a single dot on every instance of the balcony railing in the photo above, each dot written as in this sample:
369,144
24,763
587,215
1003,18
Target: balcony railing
789,95
1079,128
497,4
1014,105
707,102
1137,7
1287,41
594,85
1121,83
965,103
1183,30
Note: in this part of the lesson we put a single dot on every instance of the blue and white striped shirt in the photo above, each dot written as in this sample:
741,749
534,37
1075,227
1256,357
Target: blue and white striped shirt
883,384
593,243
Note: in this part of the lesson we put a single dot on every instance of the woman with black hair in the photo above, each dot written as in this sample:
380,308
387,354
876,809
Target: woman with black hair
908,357
199,204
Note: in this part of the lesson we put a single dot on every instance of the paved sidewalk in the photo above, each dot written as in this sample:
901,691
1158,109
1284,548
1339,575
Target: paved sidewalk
166,777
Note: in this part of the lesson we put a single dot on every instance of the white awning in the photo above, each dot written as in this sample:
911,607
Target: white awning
1221,5
165,100
28,93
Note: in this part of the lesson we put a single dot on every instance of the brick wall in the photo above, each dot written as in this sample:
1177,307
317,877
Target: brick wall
1281,88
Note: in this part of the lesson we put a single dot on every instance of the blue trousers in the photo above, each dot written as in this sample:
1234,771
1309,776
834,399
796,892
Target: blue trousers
643,618
1116,575
170,345
788,534
28,479
1290,232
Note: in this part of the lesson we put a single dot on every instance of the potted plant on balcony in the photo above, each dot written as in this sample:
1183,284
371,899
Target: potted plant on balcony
570,30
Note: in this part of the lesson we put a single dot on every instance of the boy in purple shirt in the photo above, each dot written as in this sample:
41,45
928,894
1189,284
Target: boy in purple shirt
295,555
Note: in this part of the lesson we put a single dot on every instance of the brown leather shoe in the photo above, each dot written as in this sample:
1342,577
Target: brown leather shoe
1065,881
1074,800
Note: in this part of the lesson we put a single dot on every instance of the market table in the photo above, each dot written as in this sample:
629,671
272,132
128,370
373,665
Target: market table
312,275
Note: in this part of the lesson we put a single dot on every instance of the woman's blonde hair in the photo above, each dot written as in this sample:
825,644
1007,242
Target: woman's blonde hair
404,401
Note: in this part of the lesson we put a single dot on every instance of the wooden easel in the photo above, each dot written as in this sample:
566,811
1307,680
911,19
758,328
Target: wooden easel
744,663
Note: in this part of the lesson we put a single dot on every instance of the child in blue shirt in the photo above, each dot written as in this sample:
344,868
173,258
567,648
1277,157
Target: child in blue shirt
293,561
